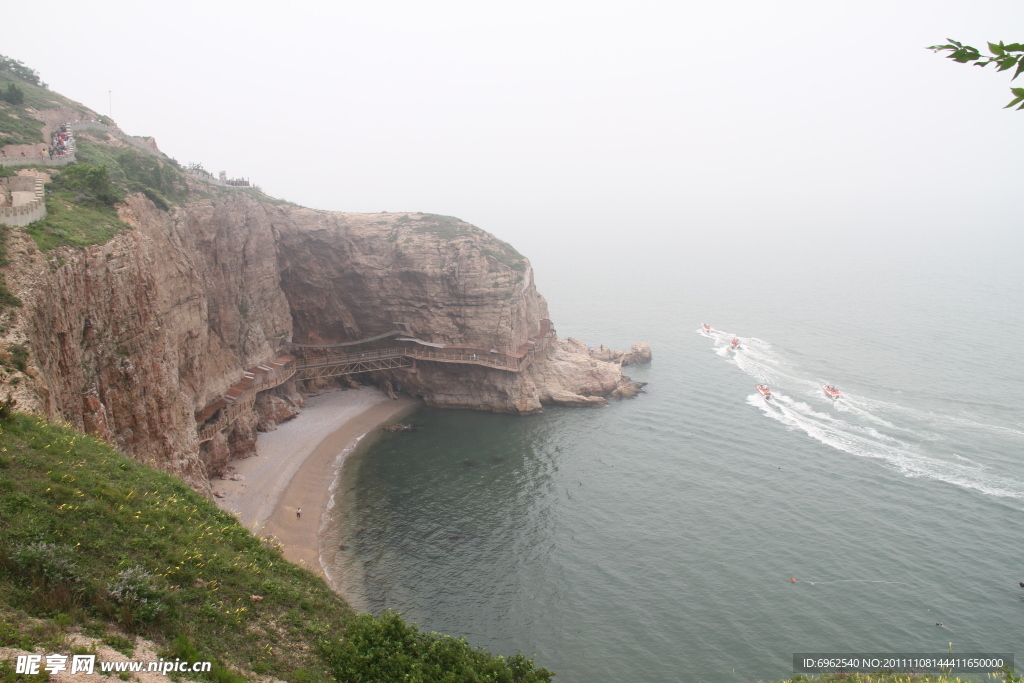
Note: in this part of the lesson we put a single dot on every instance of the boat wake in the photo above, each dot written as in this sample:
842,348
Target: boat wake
909,441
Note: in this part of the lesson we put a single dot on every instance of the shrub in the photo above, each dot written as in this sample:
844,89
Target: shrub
17,68
56,582
6,410
48,561
92,181
386,648
7,298
13,95
19,355
135,594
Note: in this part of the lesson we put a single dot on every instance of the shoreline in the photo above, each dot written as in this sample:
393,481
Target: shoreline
297,464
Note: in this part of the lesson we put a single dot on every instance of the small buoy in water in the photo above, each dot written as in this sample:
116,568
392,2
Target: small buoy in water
793,580
938,623
1021,584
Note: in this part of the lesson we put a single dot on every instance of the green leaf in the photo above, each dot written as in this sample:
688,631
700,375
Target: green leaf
955,42
997,49
1014,47
1020,69
1019,92
1016,100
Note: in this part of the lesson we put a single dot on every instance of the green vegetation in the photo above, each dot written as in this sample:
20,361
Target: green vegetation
92,182
91,539
445,227
17,68
69,223
385,648
505,254
450,228
21,90
79,209
13,94
80,204
1004,56
18,129
136,171
16,357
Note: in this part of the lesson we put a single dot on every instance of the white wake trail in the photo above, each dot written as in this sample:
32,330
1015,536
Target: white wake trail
852,424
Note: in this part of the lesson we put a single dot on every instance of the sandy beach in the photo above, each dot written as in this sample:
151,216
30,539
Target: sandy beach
296,464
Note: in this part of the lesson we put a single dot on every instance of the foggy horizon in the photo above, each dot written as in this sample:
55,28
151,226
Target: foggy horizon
817,127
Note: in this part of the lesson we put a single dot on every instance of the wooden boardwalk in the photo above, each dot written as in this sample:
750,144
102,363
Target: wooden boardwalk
318,361
242,395
322,360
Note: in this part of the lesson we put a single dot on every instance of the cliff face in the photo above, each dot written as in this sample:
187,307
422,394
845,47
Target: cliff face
127,339
349,276
352,276
131,338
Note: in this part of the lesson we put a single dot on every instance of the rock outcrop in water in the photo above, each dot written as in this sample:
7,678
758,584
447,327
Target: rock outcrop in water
131,338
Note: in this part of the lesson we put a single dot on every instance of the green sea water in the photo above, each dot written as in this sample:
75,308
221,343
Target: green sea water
656,539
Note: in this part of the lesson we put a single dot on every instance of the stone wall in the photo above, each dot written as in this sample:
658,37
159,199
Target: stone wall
57,160
25,213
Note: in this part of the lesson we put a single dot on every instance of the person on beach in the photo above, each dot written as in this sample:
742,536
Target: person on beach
298,513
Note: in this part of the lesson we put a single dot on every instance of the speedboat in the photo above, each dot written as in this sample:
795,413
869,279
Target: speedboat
705,327
831,392
764,390
735,343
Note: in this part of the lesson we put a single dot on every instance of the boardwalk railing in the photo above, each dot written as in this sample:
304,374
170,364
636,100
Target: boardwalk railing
242,395
499,361
318,361
231,412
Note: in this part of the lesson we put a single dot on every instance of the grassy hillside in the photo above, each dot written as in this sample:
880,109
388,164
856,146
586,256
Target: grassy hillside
92,540
18,125
80,202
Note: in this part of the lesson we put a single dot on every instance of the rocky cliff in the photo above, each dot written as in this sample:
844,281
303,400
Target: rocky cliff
351,276
131,338
128,338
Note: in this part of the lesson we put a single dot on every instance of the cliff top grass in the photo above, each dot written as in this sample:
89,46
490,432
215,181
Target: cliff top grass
80,200
449,228
93,540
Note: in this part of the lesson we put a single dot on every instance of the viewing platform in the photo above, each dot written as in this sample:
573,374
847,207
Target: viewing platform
28,201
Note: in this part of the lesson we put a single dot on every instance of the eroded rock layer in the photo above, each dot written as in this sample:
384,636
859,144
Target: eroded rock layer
131,339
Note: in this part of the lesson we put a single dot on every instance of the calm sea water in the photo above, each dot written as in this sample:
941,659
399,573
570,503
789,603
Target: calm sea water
655,539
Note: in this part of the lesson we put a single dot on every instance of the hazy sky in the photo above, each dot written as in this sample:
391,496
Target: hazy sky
572,128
